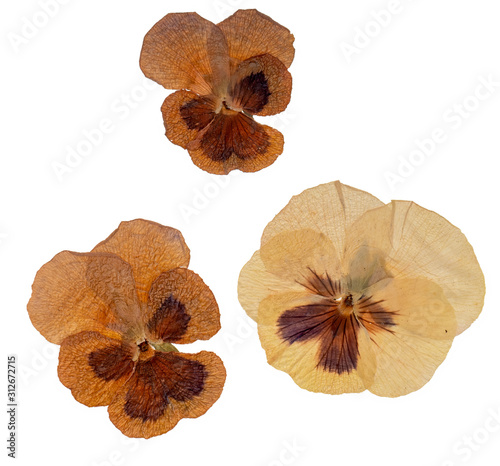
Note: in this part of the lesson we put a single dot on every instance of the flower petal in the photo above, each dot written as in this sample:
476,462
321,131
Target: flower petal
182,309
320,351
76,292
250,33
94,366
301,256
166,388
410,350
185,114
185,51
417,242
150,249
235,141
328,208
256,283
261,85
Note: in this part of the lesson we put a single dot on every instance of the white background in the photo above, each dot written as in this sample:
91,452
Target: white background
353,118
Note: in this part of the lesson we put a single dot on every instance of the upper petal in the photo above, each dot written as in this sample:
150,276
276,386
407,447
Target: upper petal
181,308
186,51
149,248
328,208
250,33
416,242
165,389
75,292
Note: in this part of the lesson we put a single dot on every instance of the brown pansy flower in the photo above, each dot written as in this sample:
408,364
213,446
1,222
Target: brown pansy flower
227,74
116,312
351,294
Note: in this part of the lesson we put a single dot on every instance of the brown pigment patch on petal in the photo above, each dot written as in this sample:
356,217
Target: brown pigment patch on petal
170,320
198,113
233,133
156,380
251,93
112,362
337,332
373,316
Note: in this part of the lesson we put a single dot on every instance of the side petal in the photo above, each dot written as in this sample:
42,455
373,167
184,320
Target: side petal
165,389
235,141
321,352
261,85
75,292
328,208
185,51
150,249
94,366
181,309
421,332
255,283
417,242
185,114
250,33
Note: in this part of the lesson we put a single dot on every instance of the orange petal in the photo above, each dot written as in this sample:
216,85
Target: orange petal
166,388
235,141
250,33
94,366
261,86
182,309
185,51
150,249
76,292
185,114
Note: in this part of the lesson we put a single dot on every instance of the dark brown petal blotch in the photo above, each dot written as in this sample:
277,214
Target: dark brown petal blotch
112,362
252,92
170,320
237,134
197,113
160,378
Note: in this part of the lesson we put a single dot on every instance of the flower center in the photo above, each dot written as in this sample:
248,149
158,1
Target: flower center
346,306
144,346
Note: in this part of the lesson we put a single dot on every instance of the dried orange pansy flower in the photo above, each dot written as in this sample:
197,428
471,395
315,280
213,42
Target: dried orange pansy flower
116,312
351,294
227,73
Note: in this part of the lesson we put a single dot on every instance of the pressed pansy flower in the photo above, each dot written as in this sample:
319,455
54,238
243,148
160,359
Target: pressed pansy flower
116,313
226,74
351,294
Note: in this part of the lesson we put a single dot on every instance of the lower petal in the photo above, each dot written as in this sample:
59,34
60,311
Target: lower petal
94,366
309,356
235,141
165,389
